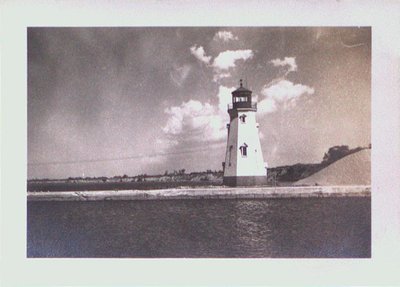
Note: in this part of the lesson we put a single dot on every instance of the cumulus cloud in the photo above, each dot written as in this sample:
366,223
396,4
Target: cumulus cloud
189,114
220,75
199,53
224,61
284,93
286,90
197,121
289,62
227,59
194,120
266,106
225,36
224,98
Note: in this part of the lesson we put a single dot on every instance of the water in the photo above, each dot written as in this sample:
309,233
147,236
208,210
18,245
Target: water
292,227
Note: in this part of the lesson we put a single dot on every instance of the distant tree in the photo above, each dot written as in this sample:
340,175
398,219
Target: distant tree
124,176
166,172
335,153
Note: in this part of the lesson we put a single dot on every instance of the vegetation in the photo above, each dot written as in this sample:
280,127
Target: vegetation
337,152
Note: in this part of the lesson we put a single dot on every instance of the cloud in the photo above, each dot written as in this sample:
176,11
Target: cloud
287,61
286,90
225,36
220,75
224,98
179,74
224,61
266,106
197,121
227,59
284,93
199,53
194,120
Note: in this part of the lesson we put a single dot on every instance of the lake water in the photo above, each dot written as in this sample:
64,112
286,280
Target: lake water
289,227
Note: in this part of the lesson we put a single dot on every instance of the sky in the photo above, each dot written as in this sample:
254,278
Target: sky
115,101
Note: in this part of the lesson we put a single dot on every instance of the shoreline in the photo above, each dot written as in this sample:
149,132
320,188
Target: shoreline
205,193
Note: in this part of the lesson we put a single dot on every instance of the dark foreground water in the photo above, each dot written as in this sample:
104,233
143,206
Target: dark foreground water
295,227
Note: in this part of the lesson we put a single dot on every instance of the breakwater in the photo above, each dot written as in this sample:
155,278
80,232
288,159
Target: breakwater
204,193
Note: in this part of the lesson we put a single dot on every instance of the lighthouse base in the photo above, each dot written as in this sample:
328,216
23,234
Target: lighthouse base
244,180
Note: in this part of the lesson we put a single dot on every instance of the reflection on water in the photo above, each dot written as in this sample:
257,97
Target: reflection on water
252,231
316,227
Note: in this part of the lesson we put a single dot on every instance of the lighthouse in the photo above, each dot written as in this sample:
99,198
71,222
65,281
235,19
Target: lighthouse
244,164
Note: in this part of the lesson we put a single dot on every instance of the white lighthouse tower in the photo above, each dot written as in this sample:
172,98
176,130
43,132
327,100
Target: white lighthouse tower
244,164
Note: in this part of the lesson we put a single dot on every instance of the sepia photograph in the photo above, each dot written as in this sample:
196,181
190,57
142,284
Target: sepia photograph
199,142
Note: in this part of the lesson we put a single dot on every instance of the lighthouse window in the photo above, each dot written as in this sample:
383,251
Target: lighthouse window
240,99
243,149
242,118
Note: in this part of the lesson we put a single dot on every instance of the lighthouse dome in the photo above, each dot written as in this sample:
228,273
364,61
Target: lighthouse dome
241,90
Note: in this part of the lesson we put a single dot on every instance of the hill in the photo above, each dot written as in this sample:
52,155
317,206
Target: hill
353,169
286,175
